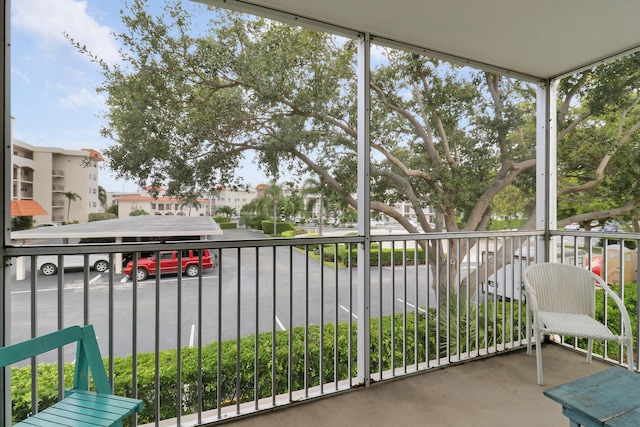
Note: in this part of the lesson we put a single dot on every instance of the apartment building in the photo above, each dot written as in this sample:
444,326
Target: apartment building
163,205
45,174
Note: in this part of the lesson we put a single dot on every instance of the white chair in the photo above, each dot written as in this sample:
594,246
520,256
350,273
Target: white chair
561,298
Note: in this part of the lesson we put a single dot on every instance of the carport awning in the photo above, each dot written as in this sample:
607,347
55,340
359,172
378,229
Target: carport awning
130,227
26,208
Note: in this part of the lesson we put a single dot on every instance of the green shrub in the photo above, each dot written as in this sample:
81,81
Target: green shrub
387,350
267,226
398,258
221,219
138,212
101,216
289,233
228,225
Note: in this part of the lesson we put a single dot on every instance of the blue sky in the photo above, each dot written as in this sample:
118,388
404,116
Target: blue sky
53,97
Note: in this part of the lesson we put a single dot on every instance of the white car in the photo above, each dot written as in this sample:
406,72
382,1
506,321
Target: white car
48,264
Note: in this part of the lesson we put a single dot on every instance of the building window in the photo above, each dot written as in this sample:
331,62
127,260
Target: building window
153,205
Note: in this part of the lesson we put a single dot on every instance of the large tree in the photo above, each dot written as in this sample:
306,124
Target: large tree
184,107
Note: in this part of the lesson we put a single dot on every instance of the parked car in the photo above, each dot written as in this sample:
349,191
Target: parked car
169,263
613,265
507,282
48,264
572,226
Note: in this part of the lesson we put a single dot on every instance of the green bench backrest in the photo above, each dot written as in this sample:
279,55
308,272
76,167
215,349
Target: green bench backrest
88,357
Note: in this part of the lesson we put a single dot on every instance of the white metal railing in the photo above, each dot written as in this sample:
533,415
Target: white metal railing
272,324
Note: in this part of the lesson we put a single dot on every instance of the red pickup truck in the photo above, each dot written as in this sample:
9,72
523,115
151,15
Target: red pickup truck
169,263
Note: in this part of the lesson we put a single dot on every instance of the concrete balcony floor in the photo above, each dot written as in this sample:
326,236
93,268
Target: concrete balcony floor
496,391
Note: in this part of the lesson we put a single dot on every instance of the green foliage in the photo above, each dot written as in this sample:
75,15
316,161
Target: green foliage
138,212
461,138
399,256
228,225
506,224
267,226
101,216
389,340
47,387
289,233
612,319
21,223
112,209
220,219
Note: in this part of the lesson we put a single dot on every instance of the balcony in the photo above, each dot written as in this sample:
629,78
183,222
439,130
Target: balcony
488,392
264,310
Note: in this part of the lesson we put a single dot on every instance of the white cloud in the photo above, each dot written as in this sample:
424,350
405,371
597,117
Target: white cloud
81,98
22,76
50,19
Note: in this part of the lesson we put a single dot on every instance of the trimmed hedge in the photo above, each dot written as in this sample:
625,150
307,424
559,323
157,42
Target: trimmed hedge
101,216
382,347
221,219
228,225
399,257
267,226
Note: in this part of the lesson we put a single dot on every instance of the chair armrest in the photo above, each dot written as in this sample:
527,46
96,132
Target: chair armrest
532,300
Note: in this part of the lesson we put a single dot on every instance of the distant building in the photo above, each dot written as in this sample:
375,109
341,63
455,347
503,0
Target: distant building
407,211
44,174
163,205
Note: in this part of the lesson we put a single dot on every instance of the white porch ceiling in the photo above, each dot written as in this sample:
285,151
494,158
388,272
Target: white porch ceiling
536,39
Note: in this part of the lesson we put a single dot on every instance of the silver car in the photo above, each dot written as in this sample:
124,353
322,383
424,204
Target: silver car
48,264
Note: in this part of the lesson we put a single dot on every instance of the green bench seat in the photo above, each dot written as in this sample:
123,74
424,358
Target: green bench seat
80,407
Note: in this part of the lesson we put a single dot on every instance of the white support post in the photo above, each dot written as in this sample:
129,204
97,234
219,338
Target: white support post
364,206
5,204
117,259
546,164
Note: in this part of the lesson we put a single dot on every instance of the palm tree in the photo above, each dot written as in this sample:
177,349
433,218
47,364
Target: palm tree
275,193
72,197
314,188
226,210
102,196
190,200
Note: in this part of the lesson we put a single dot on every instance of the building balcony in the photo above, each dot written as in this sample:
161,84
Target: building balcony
272,325
57,173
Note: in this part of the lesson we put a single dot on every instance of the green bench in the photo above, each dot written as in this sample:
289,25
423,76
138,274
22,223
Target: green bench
80,407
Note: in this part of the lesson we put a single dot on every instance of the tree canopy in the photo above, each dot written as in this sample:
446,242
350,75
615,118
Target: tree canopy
183,107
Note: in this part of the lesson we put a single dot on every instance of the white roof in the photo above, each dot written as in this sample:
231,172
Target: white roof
134,226
532,39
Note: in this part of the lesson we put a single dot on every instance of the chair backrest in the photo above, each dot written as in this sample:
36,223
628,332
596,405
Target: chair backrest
562,288
88,358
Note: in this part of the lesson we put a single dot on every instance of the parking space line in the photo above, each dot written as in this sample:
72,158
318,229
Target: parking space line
280,325
422,310
28,292
347,310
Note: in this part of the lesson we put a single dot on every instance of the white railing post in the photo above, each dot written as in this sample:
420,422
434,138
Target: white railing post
5,160
546,177
364,274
